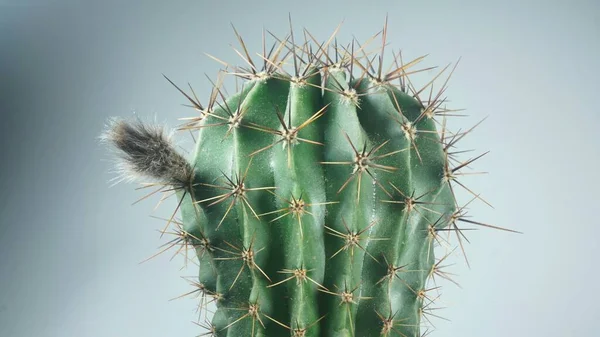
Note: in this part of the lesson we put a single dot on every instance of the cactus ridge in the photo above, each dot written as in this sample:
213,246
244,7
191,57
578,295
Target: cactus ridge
316,195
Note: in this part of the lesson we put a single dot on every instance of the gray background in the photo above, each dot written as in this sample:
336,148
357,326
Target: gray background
70,244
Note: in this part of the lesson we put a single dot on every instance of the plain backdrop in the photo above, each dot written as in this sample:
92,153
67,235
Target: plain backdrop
70,245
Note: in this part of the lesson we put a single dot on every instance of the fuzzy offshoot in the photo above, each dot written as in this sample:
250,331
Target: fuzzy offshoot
317,192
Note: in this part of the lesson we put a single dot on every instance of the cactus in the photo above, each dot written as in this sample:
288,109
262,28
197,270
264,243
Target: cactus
316,193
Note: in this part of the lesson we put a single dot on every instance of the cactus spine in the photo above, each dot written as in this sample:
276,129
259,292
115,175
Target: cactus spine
315,197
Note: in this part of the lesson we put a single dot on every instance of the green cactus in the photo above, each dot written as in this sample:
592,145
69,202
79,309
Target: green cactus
316,194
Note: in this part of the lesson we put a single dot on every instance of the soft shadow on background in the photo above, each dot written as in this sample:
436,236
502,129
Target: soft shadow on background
70,245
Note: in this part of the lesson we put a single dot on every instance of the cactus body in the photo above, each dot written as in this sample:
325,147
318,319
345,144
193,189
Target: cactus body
315,198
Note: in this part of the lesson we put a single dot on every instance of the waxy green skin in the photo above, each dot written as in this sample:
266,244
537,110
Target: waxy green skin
393,233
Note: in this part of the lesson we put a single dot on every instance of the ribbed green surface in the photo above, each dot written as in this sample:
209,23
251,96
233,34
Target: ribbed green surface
334,233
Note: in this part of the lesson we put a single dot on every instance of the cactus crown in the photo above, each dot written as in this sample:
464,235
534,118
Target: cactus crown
316,194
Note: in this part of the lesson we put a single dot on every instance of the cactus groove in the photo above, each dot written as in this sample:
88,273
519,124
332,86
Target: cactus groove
316,194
